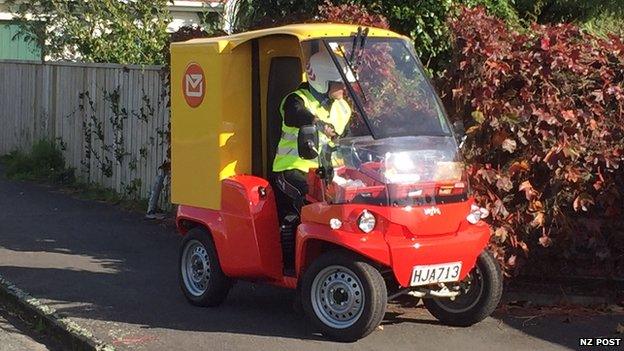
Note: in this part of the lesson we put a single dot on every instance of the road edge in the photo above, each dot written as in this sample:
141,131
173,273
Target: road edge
67,332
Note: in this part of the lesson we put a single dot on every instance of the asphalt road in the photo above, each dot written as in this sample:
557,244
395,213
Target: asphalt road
116,274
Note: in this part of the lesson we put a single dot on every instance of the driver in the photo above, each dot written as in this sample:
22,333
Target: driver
320,101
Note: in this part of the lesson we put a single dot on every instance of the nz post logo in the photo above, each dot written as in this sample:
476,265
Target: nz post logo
193,84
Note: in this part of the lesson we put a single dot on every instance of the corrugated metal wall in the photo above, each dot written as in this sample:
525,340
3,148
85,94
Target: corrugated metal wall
120,111
16,49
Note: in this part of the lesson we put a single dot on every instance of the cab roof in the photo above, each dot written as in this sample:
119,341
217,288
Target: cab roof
302,31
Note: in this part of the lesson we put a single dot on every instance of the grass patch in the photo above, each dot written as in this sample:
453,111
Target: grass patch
45,163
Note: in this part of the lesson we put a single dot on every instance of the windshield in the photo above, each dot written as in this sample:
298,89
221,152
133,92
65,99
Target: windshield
397,148
402,171
391,87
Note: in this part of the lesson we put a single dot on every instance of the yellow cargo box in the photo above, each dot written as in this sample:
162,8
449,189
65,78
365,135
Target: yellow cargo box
225,95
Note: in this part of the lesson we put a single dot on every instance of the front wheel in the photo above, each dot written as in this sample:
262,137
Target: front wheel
344,296
480,293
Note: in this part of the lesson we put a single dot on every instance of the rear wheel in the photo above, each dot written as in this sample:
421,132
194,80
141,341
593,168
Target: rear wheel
344,296
201,279
480,293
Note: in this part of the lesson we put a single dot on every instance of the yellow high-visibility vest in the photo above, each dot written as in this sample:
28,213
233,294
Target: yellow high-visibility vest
287,156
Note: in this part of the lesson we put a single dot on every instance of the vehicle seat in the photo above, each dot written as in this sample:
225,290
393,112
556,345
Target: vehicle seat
284,77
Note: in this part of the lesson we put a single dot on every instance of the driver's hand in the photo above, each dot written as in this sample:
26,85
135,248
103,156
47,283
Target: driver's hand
325,128
329,130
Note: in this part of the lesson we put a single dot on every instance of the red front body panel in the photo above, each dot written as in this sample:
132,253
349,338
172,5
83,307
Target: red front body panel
464,246
246,233
403,237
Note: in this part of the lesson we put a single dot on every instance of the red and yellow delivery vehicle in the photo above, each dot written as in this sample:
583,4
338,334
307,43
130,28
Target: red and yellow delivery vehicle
388,210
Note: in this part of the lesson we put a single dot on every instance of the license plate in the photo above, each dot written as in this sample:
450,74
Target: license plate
436,273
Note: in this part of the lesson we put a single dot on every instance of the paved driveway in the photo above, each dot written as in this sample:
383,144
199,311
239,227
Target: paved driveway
115,274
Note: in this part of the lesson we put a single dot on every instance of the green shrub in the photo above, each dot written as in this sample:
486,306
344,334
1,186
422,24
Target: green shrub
598,17
608,22
44,162
128,32
18,165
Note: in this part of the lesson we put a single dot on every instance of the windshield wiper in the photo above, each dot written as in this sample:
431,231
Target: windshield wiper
359,40
356,40
361,48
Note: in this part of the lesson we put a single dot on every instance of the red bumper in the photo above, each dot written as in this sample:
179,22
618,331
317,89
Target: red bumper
463,246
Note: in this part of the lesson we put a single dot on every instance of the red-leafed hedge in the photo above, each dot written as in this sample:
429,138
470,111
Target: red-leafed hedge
544,111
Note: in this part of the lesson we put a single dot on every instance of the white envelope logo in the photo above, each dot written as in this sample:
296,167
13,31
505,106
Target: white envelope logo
193,86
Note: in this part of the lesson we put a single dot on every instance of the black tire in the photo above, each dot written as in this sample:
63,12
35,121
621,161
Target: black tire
370,284
217,284
479,306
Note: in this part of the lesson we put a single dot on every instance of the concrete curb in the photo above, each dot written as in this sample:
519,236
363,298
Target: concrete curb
71,335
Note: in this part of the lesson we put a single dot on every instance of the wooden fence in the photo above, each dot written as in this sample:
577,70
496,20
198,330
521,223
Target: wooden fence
111,120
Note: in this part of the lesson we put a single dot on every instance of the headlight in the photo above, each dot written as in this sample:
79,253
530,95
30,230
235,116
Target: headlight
476,214
366,222
335,223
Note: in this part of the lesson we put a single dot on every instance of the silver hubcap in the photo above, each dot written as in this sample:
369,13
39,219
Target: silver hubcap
195,268
471,290
337,297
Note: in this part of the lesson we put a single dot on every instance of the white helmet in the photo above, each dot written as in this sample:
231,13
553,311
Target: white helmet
321,70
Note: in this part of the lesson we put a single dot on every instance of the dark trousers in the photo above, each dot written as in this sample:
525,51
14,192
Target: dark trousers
292,187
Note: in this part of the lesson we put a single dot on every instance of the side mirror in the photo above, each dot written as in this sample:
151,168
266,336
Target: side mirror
308,142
